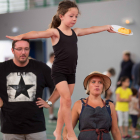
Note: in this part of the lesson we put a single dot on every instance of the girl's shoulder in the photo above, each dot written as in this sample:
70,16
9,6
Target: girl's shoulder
54,31
118,89
77,30
135,99
129,89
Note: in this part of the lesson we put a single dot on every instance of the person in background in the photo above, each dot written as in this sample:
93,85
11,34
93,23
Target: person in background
139,98
136,75
109,93
51,59
110,72
52,118
126,67
123,97
134,111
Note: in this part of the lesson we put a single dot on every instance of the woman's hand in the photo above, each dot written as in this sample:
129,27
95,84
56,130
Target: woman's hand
1,102
109,29
41,103
14,37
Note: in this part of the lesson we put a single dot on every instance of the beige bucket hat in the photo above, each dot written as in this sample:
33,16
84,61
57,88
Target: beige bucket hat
107,80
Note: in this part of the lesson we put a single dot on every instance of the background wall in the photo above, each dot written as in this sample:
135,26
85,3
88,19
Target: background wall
5,50
96,52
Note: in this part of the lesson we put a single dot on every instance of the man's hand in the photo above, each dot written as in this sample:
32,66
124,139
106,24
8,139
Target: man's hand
41,103
1,102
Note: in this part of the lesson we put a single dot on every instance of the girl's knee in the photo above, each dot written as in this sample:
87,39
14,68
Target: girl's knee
120,123
126,123
66,101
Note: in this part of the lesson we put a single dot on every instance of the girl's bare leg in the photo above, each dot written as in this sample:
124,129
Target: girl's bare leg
71,88
126,130
60,123
65,92
133,131
121,129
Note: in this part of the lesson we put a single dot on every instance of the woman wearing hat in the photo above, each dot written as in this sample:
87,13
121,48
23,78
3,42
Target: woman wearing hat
96,118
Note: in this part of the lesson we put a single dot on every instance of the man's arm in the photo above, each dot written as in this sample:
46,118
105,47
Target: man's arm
53,98
48,83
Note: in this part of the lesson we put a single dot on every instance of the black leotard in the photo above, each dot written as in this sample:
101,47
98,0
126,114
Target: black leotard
65,54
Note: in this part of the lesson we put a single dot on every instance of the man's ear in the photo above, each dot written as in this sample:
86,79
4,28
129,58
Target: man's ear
12,50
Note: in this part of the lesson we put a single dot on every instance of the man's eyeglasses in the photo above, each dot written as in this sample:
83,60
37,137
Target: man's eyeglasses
20,49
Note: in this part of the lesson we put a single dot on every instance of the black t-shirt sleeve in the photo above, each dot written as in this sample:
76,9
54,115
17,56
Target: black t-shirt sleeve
2,77
48,80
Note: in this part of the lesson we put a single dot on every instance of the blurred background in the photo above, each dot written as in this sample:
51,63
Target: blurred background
96,52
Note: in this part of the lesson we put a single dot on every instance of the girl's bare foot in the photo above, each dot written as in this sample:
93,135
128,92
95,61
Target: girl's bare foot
57,136
72,137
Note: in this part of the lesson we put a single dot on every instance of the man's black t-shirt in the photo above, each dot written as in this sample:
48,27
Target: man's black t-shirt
19,89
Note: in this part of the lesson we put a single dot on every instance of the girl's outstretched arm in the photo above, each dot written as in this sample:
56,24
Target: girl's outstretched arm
93,29
34,34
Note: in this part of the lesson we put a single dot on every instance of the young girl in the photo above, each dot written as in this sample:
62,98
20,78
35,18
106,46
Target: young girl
64,42
134,111
123,97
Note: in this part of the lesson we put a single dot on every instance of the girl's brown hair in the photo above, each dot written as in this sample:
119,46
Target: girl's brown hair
63,8
122,79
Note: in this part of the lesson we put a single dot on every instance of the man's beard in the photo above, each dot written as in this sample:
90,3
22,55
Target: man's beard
23,61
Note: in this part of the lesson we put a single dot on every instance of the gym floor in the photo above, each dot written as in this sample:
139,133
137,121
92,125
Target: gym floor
51,126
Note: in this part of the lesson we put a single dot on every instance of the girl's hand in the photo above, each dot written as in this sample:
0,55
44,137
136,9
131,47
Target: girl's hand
1,102
109,29
14,37
41,103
